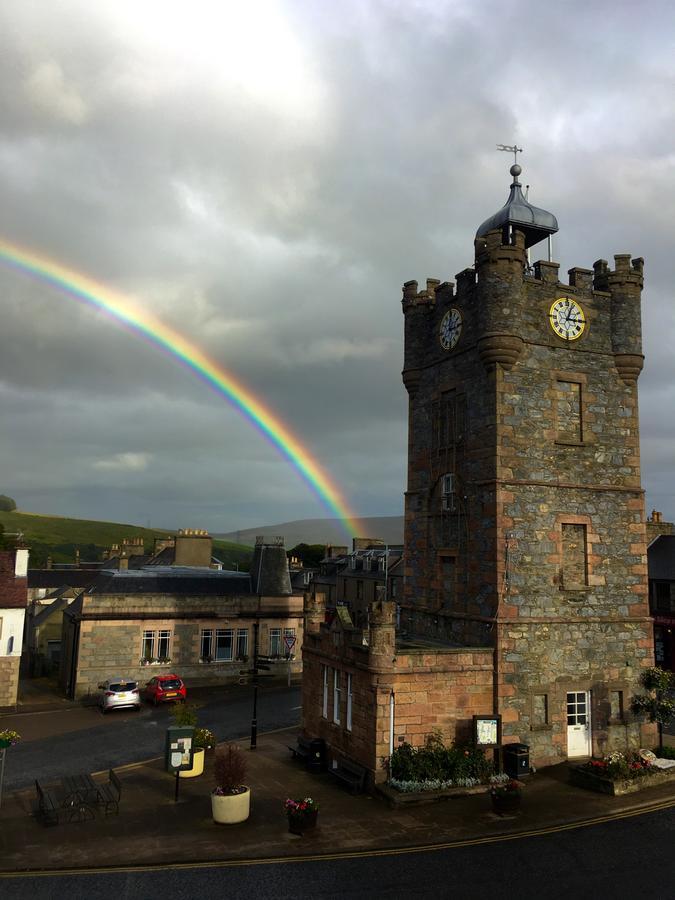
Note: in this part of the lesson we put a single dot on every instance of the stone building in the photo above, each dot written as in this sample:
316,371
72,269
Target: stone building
202,623
525,548
13,602
661,562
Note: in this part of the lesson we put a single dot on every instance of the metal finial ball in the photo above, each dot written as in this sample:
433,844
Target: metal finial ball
515,170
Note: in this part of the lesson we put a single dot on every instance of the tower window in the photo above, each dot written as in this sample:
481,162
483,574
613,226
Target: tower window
574,556
568,412
448,581
448,420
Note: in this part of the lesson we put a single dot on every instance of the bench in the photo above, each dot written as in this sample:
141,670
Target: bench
351,774
48,805
109,794
310,752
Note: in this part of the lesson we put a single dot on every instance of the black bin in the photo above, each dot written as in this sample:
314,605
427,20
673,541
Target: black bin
317,761
517,760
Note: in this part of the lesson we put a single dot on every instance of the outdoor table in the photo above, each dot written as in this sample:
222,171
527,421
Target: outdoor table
80,793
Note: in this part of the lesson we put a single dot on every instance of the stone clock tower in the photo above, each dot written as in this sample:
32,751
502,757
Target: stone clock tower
525,526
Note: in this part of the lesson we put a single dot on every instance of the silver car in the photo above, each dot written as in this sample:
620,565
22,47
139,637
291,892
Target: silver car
117,693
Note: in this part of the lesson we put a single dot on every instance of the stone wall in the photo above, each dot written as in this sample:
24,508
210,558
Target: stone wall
111,636
9,680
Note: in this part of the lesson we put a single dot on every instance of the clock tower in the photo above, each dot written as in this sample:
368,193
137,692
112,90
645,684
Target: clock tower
525,526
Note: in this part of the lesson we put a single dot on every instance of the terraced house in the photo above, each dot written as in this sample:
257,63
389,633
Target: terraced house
525,572
202,623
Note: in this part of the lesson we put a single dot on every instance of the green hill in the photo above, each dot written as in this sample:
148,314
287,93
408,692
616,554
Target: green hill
59,538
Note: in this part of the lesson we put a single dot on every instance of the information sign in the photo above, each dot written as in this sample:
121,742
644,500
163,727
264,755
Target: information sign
487,731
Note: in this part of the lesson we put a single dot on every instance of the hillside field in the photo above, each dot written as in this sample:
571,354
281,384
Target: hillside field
58,537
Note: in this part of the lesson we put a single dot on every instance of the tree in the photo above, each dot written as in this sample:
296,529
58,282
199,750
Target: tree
656,705
7,504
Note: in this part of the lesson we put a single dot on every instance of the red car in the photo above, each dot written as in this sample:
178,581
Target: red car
164,687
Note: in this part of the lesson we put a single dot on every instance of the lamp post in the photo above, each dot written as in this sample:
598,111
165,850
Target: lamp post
254,719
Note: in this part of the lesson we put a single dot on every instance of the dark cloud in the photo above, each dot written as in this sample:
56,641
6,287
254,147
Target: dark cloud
264,180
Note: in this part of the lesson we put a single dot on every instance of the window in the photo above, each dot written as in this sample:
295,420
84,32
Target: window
616,706
156,645
568,412
359,590
448,419
206,647
337,691
164,644
324,707
224,641
539,710
574,557
148,650
275,642
242,642
350,700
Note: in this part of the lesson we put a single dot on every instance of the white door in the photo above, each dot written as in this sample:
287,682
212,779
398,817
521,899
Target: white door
578,723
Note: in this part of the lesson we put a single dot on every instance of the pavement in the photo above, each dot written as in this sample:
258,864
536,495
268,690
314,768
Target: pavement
154,830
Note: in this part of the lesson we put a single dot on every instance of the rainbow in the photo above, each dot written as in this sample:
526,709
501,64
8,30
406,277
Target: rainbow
126,310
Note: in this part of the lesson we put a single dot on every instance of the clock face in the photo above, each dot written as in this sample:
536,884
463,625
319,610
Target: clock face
451,328
567,318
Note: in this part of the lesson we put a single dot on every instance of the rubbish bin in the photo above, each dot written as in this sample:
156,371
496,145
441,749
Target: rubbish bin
517,760
317,761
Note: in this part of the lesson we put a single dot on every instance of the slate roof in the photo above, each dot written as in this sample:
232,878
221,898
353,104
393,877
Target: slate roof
187,580
661,558
61,578
535,223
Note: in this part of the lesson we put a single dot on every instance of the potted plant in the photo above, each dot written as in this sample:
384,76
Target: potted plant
8,738
184,715
231,797
506,796
301,814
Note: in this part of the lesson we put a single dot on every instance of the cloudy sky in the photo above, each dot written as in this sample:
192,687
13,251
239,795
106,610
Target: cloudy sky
263,177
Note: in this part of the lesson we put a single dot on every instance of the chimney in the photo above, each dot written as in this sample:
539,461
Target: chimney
194,547
124,563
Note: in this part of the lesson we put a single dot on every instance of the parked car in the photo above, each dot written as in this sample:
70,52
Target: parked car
163,688
116,693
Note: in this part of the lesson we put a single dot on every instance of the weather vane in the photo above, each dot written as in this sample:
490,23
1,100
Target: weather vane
515,150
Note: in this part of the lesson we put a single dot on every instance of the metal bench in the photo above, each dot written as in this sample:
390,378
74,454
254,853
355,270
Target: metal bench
109,794
351,774
48,805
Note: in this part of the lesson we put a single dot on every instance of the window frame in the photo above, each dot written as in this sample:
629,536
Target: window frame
275,637
350,702
241,639
337,696
222,633
324,707
206,643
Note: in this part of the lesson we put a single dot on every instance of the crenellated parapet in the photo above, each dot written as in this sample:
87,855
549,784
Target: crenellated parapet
624,284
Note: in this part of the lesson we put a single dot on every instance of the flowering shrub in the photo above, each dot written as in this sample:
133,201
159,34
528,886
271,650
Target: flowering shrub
12,736
298,808
414,787
435,762
619,766
507,788
204,738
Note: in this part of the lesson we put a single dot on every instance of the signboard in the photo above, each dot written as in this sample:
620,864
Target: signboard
179,749
289,640
487,731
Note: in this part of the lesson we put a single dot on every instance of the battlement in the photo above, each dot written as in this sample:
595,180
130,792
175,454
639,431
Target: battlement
626,269
427,296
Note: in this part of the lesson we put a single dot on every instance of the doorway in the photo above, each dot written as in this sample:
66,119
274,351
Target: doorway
578,723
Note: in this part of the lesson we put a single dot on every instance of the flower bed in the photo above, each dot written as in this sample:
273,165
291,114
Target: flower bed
618,774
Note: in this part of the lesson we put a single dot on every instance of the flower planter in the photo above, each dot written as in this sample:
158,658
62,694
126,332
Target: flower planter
582,778
229,809
197,765
302,823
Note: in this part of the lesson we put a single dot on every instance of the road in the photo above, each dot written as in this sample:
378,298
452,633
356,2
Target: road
626,859
99,742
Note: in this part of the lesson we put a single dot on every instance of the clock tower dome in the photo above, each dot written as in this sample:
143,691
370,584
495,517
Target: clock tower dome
524,525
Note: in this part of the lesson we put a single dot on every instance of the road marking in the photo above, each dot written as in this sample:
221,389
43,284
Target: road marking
349,854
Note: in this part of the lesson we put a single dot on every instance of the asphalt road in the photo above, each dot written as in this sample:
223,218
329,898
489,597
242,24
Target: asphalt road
627,859
126,736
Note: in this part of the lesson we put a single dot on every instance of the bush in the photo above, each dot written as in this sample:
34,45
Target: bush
439,764
7,504
665,752
230,770
184,715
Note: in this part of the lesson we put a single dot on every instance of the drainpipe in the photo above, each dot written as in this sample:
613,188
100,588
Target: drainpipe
392,711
